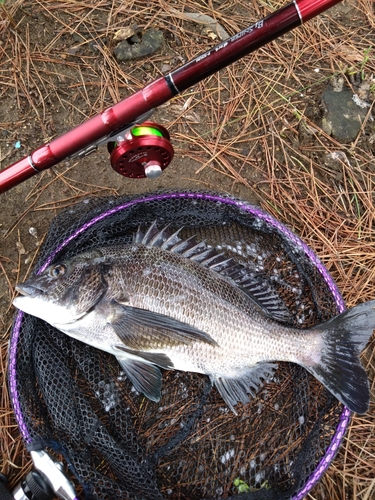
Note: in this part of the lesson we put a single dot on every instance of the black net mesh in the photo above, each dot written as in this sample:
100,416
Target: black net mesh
120,445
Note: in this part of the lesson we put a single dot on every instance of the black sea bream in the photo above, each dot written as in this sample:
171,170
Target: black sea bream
164,302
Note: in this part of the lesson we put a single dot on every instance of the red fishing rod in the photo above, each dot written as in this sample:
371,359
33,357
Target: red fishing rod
145,150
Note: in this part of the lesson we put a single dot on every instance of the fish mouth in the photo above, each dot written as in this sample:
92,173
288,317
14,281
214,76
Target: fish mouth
29,290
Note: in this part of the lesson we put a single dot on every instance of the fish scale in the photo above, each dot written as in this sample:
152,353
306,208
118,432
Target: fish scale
178,304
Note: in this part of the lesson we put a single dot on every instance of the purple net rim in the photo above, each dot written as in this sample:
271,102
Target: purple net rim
215,198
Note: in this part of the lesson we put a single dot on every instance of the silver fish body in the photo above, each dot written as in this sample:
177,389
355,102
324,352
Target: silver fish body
164,302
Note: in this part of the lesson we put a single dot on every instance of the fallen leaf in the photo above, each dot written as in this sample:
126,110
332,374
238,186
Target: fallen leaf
125,33
20,248
192,117
207,31
188,102
165,68
208,21
350,53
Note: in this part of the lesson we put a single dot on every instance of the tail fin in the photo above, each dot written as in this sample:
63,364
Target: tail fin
340,369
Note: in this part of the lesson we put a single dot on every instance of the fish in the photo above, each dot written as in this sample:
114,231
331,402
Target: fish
162,301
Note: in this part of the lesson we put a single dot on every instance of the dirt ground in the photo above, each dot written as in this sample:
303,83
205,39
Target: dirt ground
253,130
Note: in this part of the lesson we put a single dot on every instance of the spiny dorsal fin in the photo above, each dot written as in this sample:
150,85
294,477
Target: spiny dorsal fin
256,287
190,248
157,238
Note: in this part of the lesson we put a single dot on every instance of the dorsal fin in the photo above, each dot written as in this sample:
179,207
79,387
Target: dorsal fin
255,286
157,238
190,248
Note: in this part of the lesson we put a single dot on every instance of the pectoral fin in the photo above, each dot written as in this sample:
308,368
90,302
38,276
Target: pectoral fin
143,330
146,378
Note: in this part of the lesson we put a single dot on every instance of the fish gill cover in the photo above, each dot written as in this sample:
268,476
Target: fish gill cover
77,401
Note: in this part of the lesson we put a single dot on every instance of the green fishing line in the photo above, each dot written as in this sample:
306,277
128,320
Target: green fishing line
139,131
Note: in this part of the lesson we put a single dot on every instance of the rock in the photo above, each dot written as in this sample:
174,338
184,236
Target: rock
72,51
149,43
78,38
343,116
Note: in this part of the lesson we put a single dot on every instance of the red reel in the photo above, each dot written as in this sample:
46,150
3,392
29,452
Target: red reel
145,152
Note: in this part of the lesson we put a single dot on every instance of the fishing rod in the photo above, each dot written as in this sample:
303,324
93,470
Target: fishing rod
140,148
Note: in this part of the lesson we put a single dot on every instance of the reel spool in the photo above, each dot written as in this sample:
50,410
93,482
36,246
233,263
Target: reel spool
145,151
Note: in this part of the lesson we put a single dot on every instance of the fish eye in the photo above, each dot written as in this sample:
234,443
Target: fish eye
58,270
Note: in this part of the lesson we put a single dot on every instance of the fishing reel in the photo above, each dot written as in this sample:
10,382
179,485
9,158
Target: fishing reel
46,481
144,151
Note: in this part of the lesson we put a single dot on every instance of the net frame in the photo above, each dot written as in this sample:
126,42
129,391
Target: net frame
344,418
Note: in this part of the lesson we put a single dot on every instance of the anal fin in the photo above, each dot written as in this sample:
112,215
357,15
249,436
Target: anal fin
235,390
